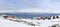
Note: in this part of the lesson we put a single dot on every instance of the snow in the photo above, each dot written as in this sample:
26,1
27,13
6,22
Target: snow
8,23
41,23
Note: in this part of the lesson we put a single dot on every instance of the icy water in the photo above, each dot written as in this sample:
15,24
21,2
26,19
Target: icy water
31,15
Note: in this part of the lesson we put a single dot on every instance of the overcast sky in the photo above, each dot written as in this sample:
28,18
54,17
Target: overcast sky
36,6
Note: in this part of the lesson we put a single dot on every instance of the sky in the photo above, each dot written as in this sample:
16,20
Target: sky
36,6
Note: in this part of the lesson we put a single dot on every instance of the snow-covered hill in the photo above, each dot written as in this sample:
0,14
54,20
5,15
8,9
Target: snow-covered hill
8,23
39,23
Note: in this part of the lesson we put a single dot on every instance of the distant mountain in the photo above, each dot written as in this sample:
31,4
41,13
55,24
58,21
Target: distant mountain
30,15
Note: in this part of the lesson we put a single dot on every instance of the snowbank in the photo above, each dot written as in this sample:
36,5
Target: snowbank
8,23
42,23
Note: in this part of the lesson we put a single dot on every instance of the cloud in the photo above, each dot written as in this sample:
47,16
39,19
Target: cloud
34,10
34,6
40,10
30,3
